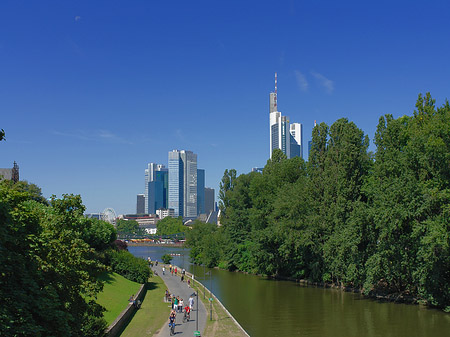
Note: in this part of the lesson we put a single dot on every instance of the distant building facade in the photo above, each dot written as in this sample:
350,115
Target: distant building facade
140,204
158,191
183,183
209,200
296,140
10,173
287,138
200,191
150,175
165,212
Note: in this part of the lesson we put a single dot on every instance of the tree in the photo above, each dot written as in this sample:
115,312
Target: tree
49,274
127,226
170,226
2,135
166,258
227,184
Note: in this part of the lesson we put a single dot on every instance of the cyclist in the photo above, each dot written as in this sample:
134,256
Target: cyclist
172,317
187,313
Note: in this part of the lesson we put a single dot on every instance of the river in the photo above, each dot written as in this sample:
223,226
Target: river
266,307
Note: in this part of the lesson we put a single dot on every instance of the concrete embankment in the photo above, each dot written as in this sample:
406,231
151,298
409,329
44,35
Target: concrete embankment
219,303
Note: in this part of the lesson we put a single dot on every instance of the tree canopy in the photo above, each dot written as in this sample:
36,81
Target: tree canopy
378,222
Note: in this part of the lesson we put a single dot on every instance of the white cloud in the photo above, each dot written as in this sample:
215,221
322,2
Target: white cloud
323,81
94,136
77,18
301,81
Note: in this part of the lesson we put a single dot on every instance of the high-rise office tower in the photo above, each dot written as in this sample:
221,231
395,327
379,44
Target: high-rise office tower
140,204
200,191
183,183
209,200
283,136
157,191
296,140
150,174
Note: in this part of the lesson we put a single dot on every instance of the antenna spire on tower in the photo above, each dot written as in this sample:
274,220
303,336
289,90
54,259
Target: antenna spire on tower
275,101
275,82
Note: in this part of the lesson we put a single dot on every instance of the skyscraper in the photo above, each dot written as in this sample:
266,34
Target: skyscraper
209,200
150,174
157,191
200,191
296,140
282,136
140,204
183,183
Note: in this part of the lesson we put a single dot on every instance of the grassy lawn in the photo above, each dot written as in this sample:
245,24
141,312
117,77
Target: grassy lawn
153,313
115,295
221,325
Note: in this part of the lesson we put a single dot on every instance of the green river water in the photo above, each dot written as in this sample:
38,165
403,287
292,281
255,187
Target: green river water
266,307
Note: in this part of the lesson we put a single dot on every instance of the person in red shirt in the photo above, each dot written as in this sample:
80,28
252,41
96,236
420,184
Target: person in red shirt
187,313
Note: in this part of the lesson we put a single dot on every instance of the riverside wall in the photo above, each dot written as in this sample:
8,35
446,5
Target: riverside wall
192,277
116,327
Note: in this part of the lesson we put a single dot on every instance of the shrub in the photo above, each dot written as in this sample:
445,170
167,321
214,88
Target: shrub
129,266
166,258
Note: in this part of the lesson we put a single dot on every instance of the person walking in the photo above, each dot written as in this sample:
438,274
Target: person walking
175,303
164,270
180,305
191,302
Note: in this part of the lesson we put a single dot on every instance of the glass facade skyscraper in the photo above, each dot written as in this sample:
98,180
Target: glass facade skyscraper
200,191
150,175
176,183
157,192
287,138
183,183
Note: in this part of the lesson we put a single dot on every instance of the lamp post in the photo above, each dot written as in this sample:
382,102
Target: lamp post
196,320
210,295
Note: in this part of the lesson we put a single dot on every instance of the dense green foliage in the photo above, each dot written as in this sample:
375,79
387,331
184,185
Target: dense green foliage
166,258
50,265
127,226
169,226
126,264
380,222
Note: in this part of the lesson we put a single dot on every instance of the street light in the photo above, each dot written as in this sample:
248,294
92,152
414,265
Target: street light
210,295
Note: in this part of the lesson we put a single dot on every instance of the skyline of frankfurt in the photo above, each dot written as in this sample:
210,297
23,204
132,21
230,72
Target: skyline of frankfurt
91,92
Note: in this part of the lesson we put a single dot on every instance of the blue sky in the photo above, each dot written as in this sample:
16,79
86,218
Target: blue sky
92,91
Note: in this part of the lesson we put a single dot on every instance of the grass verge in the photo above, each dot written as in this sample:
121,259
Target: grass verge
153,313
115,294
221,325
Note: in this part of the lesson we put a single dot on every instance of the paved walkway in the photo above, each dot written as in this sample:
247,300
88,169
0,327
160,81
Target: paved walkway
181,289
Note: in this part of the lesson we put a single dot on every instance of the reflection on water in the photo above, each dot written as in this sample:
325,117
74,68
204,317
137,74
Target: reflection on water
267,307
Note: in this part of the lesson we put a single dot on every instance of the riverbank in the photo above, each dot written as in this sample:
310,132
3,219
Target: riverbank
220,322
378,295
144,244
316,312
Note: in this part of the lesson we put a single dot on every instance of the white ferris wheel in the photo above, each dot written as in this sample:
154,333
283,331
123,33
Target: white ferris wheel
109,215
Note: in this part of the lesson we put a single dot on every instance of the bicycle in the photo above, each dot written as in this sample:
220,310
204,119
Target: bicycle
172,328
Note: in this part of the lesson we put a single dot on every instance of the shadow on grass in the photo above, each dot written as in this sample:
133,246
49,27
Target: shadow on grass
106,277
151,286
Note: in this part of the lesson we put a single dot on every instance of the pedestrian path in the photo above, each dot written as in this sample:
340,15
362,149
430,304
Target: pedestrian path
178,288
